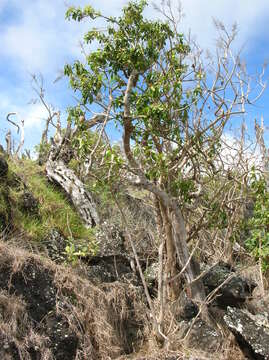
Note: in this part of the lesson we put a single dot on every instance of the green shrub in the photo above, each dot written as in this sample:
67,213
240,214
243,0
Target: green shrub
258,224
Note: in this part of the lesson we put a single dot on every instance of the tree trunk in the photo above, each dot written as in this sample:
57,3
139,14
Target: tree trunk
195,288
57,171
171,256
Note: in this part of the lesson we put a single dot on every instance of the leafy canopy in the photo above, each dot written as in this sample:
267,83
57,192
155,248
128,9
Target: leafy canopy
160,101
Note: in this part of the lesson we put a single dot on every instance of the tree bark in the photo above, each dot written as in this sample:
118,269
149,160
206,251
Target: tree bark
82,200
171,256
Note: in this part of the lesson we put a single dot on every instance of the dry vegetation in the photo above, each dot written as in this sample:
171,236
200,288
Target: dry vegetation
174,199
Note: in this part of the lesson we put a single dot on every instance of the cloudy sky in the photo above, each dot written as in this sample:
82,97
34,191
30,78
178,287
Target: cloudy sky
36,38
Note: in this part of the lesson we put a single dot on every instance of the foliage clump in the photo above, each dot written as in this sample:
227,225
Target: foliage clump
258,225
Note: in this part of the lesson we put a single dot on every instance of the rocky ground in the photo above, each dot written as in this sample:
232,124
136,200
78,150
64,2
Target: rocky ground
97,309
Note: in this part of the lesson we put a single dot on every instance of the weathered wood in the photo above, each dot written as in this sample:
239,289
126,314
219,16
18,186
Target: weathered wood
82,200
20,129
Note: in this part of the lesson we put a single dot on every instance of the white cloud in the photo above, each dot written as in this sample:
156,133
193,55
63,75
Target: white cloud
34,116
42,39
30,52
198,15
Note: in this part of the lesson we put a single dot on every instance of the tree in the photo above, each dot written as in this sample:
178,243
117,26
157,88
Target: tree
56,155
172,105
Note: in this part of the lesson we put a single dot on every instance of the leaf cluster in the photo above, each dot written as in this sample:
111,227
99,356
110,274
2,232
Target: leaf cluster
258,224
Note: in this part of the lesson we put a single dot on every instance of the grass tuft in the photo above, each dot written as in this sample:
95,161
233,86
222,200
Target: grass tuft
55,210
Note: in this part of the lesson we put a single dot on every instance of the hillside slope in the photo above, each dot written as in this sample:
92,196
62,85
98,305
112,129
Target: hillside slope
68,292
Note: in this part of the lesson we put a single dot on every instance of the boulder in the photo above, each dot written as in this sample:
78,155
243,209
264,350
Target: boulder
112,262
251,332
188,309
47,311
201,337
29,203
107,269
110,240
55,245
234,291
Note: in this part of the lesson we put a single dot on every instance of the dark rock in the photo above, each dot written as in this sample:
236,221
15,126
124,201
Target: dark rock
57,314
201,336
29,203
251,333
8,348
3,167
111,263
234,291
109,268
151,277
36,288
33,285
110,240
34,353
189,310
64,342
184,308
55,245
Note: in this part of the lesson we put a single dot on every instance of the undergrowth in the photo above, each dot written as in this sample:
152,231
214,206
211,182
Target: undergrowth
55,211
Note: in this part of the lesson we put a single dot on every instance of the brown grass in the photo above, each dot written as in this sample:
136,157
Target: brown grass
100,314
101,317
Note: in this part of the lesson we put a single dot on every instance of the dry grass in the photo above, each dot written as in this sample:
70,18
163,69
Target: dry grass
14,324
100,317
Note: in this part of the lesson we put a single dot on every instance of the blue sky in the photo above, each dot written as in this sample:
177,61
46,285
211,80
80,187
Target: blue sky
36,38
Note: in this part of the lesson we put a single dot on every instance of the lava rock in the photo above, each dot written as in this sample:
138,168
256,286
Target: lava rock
112,262
55,245
8,348
251,334
64,342
184,308
110,240
234,291
201,336
151,272
189,310
36,288
29,203
108,269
